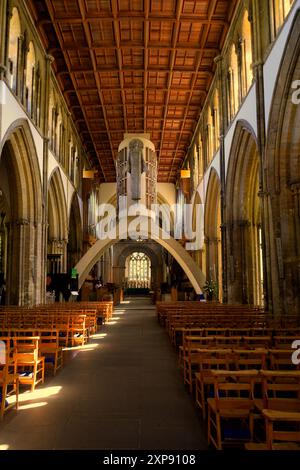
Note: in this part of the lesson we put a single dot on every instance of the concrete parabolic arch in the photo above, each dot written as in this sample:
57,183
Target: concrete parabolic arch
147,230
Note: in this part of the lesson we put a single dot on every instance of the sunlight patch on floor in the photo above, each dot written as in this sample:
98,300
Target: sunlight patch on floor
99,335
32,405
4,446
88,347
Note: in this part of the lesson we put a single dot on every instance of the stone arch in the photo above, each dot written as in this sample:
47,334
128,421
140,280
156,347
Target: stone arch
57,222
212,230
243,219
156,261
191,269
23,190
282,175
199,254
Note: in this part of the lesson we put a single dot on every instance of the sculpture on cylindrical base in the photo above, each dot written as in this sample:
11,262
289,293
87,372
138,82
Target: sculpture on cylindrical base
137,170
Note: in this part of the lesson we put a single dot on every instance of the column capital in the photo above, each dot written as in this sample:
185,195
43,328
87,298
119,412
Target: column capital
295,188
263,194
241,223
3,70
218,59
49,58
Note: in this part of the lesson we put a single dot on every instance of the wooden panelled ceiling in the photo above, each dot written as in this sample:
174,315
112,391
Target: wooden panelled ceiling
134,66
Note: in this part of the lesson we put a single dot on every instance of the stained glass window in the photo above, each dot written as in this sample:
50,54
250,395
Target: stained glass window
139,271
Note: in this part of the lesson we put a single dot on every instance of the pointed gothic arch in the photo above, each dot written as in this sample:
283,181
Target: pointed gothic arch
23,191
193,272
57,223
212,230
74,247
282,169
243,220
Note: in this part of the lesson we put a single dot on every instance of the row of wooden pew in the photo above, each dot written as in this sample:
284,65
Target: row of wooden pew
33,338
241,375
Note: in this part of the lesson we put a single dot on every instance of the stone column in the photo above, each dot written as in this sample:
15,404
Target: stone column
23,261
238,288
223,124
258,75
45,119
295,188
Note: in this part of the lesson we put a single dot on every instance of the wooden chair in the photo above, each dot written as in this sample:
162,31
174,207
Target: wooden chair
289,434
281,359
27,361
285,439
250,358
281,391
233,402
50,349
210,359
9,381
77,332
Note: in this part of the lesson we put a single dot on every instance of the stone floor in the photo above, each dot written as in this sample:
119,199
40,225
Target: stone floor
122,391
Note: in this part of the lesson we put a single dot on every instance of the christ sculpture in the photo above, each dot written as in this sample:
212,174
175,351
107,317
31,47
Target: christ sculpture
136,167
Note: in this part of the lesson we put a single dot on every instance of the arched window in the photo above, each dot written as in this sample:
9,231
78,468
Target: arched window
200,158
196,167
30,79
247,58
279,11
233,83
210,146
51,121
77,171
61,145
216,121
37,98
13,49
139,271
58,135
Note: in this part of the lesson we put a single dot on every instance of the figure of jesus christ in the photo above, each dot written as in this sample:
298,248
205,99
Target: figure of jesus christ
136,167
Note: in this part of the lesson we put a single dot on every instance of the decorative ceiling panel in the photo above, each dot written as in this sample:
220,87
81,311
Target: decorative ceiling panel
134,66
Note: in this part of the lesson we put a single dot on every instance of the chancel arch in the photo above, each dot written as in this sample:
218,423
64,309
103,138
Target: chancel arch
193,272
122,256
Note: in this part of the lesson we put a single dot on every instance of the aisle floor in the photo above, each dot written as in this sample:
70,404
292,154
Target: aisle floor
121,391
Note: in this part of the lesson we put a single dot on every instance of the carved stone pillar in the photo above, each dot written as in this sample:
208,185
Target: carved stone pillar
295,188
258,73
237,262
223,123
24,258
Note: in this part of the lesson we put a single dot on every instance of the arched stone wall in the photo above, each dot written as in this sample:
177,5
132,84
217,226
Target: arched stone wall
243,219
212,230
57,219
282,175
127,250
25,229
74,248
